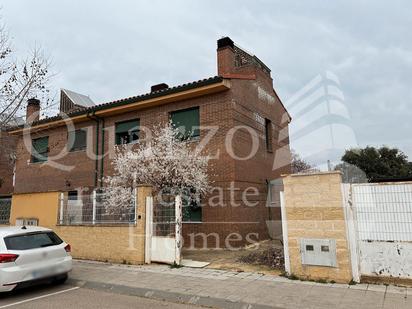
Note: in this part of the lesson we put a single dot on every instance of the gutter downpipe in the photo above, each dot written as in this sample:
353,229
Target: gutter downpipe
103,154
96,168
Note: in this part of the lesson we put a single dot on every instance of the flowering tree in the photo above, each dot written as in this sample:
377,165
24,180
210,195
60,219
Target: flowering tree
163,161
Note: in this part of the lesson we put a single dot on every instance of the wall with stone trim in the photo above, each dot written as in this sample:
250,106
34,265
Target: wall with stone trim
314,209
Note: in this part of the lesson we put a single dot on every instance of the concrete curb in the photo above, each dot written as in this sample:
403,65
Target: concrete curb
167,296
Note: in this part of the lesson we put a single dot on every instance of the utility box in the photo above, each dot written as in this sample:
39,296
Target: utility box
319,252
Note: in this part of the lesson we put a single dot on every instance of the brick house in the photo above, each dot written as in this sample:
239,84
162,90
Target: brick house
240,99
7,155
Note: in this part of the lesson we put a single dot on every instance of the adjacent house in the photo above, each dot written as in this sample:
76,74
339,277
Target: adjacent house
7,159
239,102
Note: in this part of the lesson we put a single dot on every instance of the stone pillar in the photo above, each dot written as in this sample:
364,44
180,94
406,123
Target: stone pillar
315,221
143,191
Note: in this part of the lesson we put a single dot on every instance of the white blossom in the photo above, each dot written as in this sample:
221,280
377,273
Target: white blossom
162,161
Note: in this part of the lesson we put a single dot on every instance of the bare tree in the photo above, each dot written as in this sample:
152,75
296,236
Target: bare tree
20,80
299,165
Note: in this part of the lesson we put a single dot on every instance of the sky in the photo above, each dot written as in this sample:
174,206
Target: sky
359,50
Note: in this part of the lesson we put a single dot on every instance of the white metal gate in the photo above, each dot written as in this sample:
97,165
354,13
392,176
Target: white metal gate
383,224
163,230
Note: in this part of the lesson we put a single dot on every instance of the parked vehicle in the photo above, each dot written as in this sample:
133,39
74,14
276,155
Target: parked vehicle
29,255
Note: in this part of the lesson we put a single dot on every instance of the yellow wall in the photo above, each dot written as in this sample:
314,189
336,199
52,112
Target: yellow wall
42,206
111,243
314,209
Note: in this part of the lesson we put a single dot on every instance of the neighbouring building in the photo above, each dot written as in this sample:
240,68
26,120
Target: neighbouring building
7,159
240,101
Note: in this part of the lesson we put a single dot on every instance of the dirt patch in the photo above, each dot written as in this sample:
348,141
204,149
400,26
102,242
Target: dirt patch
254,258
271,257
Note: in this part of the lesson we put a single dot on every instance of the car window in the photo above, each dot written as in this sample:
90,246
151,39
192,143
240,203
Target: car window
32,241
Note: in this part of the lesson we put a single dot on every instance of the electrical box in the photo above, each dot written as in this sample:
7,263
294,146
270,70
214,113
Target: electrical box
320,252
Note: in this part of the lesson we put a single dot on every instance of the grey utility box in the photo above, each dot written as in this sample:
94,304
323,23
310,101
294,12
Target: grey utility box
320,252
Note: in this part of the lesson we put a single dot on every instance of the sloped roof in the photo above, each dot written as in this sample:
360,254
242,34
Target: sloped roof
78,98
133,99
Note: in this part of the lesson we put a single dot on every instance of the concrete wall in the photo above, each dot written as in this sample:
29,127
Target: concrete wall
314,209
112,243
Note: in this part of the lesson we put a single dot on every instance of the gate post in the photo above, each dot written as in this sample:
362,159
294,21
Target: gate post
317,235
148,230
143,218
351,231
178,229
61,211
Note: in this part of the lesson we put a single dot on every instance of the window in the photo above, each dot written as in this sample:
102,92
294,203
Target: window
72,195
40,149
187,122
77,140
5,206
268,135
32,241
127,132
192,208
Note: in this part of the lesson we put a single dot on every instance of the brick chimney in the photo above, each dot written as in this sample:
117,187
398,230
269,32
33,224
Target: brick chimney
33,110
235,62
225,56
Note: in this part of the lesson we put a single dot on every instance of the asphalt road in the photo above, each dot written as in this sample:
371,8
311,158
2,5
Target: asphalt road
67,296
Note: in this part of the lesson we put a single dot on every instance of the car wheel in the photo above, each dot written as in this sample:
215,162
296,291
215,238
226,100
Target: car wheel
60,279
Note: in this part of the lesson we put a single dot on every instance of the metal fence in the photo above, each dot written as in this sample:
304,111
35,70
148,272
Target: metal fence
164,215
92,209
5,207
383,211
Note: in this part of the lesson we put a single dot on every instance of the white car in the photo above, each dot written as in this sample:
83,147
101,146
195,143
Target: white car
32,254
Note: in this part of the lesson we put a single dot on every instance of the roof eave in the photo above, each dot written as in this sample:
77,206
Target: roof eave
134,103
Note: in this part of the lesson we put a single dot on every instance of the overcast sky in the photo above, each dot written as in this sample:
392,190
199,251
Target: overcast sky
115,49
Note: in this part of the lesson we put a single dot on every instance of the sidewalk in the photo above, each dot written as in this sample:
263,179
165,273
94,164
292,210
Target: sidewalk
224,289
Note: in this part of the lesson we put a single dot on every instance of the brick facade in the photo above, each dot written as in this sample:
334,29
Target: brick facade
247,103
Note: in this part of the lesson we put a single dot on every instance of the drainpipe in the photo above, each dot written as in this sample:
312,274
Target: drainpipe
102,152
96,168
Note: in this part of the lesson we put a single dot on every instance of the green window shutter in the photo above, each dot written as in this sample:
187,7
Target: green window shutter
40,149
127,126
127,131
187,121
77,140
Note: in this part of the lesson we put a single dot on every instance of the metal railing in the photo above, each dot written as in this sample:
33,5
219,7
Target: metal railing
93,209
383,211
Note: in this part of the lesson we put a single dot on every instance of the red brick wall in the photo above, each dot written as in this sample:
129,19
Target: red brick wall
38,177
247,103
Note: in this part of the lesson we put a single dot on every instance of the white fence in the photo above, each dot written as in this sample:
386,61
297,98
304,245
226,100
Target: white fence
92,209
383,224
384,211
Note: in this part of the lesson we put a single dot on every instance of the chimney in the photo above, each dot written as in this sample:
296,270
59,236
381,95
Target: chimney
225,56
235,62
159,87
33,110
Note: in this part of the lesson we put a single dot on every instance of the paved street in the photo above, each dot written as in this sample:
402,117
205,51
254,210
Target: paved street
226,289
67,296
100,285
